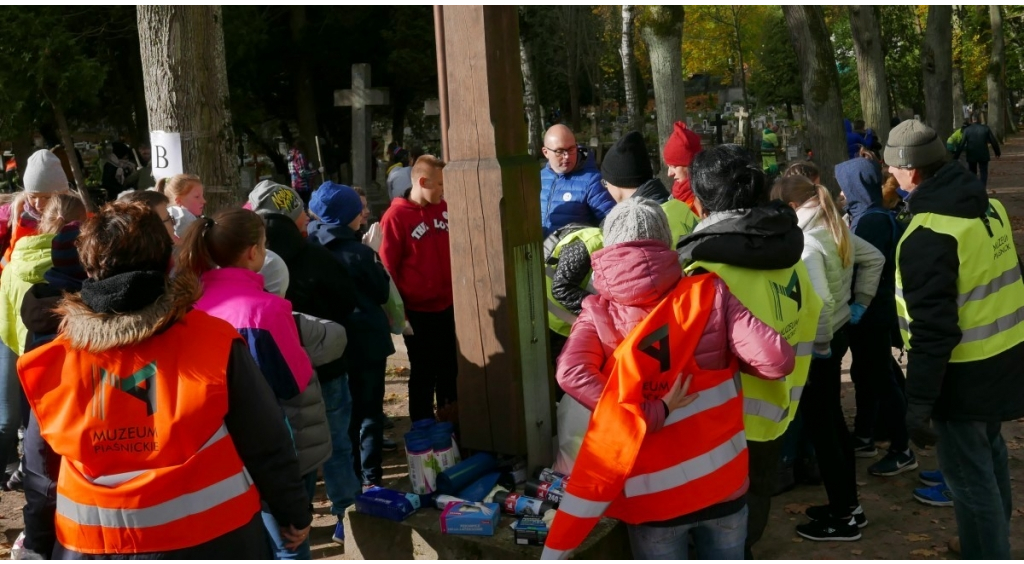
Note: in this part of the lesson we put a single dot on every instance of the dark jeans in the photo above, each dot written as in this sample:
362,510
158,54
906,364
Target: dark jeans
10,407
366,431
972,457
982,173
879,397
764,470
339,475
823,417
433,361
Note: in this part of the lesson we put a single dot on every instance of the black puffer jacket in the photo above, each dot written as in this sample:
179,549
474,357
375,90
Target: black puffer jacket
319,284
977,138
985,390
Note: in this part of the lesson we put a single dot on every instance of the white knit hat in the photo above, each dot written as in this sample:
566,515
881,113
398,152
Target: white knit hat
44,173
636,219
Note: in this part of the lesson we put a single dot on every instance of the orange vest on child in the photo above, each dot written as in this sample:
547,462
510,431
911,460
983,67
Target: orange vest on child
699,457
147,462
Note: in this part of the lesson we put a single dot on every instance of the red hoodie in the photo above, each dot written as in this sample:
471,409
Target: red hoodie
415,250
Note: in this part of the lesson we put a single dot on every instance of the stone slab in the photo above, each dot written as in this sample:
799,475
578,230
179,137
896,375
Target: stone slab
419,538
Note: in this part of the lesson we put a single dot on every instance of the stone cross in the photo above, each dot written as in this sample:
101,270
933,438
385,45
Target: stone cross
360,97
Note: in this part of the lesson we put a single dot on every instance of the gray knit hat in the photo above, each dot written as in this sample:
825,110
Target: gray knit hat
275,274
913,144
637,219
44,173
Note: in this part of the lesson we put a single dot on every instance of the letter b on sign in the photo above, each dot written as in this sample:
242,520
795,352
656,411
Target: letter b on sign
160,157
166,154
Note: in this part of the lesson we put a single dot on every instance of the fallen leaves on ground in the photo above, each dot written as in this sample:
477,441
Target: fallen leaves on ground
870,496
856,552
914,537
797,539
924,553
1013,445
895,507
797,508
1019,512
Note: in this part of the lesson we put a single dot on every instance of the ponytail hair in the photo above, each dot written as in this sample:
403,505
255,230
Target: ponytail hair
61,210
800,190
218,241
177,186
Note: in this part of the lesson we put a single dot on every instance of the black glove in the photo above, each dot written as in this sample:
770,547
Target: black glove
919,425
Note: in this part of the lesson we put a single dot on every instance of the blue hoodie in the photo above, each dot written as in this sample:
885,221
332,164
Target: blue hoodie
861,182
854,140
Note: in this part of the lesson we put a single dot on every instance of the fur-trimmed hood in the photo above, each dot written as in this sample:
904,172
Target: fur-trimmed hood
95,332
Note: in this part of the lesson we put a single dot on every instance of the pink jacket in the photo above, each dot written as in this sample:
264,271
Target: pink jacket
631,278
236,295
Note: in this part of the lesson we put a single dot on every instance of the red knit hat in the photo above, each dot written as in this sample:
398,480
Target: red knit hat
682,146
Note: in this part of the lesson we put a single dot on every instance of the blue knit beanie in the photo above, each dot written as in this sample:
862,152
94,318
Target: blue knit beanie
335,204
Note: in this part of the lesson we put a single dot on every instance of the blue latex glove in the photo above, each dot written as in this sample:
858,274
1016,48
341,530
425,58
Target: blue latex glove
817,354
857,312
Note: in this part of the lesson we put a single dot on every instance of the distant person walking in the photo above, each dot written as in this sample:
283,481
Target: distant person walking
976,139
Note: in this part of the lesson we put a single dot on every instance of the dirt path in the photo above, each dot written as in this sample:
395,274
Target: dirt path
900,528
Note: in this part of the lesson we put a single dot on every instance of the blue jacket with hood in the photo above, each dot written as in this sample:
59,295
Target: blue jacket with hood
861,182
574,197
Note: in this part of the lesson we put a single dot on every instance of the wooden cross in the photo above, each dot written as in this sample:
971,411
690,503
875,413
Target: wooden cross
360,97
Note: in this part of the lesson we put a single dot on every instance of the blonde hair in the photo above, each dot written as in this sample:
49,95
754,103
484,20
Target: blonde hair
61,210
800,190
424,166
177,186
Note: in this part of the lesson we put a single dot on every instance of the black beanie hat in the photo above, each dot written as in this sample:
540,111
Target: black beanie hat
627,164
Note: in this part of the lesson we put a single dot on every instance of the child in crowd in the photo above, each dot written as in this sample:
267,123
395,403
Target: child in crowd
185,192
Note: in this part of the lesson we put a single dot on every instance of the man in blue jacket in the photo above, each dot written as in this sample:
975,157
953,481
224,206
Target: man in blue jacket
570,184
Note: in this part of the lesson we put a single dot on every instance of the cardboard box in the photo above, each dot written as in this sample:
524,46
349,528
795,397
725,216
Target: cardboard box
478,519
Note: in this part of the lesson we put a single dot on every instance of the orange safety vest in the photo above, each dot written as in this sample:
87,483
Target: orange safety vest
699,457
147,462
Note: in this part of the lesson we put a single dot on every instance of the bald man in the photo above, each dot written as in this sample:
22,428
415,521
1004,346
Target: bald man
570,184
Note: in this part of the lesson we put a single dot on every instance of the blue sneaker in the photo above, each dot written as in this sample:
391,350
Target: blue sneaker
931,477
936,496
339,533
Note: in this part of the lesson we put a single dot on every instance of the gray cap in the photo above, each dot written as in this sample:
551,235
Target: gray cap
637,219
270,197
913,144
275,274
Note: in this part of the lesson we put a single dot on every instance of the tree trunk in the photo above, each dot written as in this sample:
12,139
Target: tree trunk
996,101
628,70
139,97
820,83
69,148
739,54
959,96
937,64
187,92
662,31
874,100
304,101
534,125
573,61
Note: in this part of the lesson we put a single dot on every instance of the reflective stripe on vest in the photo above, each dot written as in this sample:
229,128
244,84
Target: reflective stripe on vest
681,219
560,320
990,292
785,301
698,458
178,508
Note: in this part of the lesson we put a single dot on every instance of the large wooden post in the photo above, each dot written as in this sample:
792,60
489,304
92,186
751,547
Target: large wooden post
493,191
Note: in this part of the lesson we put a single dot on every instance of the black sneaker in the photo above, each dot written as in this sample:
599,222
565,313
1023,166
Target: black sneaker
893,464
387,445
864,448
829,530
822,513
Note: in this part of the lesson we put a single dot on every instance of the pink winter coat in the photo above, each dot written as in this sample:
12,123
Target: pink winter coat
631,279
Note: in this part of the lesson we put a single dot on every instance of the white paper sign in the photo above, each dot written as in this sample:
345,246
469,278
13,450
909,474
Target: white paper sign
166,149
